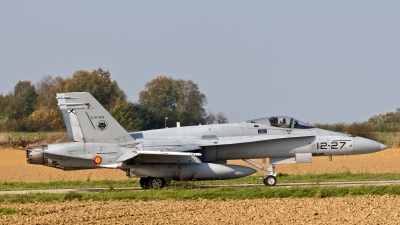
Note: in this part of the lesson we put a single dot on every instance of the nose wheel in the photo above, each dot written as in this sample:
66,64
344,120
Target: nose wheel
269,180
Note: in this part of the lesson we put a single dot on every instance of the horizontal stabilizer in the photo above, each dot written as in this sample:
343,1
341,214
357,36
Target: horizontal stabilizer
59,153
127,155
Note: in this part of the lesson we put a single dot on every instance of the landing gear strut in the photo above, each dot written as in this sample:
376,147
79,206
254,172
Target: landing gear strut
270,177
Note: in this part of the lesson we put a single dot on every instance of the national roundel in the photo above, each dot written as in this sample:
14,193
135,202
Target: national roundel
97,160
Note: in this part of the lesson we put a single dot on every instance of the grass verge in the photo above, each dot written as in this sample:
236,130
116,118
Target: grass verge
16,186
222,193
282,178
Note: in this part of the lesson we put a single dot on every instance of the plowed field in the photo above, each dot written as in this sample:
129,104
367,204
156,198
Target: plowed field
341,210
14,168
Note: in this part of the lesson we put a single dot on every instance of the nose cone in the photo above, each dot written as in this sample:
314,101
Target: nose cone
363,145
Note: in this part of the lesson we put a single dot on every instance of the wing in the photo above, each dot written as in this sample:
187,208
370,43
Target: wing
175,150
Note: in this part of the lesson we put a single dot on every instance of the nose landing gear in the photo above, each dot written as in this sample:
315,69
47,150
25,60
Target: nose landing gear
270,177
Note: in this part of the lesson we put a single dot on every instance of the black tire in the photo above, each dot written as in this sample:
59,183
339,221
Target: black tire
144,182
270,180
155,182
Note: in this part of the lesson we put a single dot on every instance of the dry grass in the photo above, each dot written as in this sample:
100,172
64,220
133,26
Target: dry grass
394,141
29,139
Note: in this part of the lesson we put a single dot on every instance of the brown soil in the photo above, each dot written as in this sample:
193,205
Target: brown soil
14,168
346,210
341,210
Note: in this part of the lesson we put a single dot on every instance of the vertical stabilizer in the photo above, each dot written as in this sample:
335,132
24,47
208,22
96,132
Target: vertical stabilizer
88,121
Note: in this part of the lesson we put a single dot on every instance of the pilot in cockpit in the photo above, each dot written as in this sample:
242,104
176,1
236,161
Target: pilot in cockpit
283,123
291,123
273,121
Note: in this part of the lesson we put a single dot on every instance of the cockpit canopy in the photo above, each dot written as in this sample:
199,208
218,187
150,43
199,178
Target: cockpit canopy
282,121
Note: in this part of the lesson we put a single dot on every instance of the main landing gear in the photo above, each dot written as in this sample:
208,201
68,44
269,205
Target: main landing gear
270,177
153,182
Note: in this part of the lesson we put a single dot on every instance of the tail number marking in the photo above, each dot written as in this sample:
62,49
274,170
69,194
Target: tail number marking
333,145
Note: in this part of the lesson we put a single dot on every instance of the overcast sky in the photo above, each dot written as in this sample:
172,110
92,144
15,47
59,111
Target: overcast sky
318,61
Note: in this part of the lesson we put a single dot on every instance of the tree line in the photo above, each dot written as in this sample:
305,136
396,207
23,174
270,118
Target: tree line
384,128
33,107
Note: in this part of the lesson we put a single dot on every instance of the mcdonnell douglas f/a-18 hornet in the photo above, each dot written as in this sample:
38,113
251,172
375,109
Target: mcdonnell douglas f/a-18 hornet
192,152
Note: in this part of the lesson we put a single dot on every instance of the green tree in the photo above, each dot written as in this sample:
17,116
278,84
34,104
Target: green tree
389,122
179,100
34,108
98,83
4,103
337,127
47,120
47,115
22,101
132,116
191,103
218,118
20,106
46,93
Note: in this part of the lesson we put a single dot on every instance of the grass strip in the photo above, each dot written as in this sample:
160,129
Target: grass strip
17,186
310,178
222,193
7,211
282,178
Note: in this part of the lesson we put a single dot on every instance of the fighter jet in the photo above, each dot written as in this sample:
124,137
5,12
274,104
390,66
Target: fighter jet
190,153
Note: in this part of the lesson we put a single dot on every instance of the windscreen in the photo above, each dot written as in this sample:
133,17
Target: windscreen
282,121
